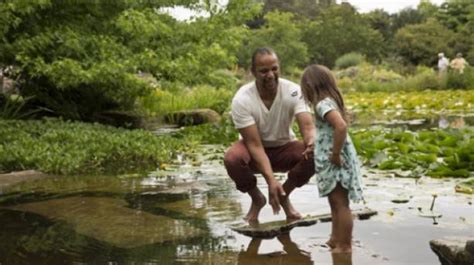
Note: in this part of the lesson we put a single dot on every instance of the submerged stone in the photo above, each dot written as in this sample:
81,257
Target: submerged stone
275,228
454,250
111,221
20,176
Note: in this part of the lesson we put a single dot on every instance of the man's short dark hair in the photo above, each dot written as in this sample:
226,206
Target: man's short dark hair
260,51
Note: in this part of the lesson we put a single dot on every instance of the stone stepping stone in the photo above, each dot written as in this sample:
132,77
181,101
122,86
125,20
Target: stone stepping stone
110,220
454,250
12,178
275,228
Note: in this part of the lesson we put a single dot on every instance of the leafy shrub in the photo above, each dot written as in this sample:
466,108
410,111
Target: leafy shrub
162,101
55,146
14,107
222,79
461,81
349,59
424,80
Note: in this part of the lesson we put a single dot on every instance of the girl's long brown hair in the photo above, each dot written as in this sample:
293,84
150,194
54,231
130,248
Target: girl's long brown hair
317,83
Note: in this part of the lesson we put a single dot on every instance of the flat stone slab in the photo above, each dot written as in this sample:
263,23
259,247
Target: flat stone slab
275,228
110,220
186,187
12,178
454,250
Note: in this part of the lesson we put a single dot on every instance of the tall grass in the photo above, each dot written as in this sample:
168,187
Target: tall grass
162,101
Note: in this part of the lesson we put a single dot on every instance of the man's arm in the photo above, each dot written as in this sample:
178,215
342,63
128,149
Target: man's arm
307,130
254,145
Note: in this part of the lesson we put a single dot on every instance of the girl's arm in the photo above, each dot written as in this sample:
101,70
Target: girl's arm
307,130
340,132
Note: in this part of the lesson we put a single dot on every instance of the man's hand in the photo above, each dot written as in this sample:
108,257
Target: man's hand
308,151
275,190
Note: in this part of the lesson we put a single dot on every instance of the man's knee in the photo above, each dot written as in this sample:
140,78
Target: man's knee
302,173
232,159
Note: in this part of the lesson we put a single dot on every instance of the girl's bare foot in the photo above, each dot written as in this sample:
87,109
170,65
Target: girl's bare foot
257,204
331,243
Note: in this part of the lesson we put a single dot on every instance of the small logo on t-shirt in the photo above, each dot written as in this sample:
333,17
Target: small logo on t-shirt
294,94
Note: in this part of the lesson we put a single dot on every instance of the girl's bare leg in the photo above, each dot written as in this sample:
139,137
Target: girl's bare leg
341,235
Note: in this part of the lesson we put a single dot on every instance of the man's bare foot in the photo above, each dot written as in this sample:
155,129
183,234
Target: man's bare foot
257,204
291,213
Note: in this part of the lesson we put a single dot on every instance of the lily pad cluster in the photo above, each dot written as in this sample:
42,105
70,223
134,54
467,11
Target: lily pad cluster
435,152
409,105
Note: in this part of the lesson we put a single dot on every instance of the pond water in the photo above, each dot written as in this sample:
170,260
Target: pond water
184,215
389,120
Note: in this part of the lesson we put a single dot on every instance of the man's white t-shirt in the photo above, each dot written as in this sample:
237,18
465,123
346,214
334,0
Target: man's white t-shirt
274,124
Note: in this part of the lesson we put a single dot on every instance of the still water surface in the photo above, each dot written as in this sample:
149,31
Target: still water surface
184,216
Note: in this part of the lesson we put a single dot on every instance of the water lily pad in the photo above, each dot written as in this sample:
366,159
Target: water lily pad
400,200
429,214
110,220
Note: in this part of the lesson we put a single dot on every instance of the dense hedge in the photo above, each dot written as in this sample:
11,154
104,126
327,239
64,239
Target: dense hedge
61,147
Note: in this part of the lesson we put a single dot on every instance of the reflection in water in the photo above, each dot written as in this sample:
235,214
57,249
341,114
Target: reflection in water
291,255
441,121
341,258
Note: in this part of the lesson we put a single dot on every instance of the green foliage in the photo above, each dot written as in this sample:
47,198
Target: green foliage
455,14
282,34
461,81
81,57
304,8
348,60
419,45
439,152
58,147
372,78
221,133
406,16
340,30
162,101
13,107
424,103
381,21
367,77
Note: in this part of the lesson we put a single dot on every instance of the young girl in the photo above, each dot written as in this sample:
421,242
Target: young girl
335,158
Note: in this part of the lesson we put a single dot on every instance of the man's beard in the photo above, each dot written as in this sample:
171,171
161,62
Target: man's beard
270,83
